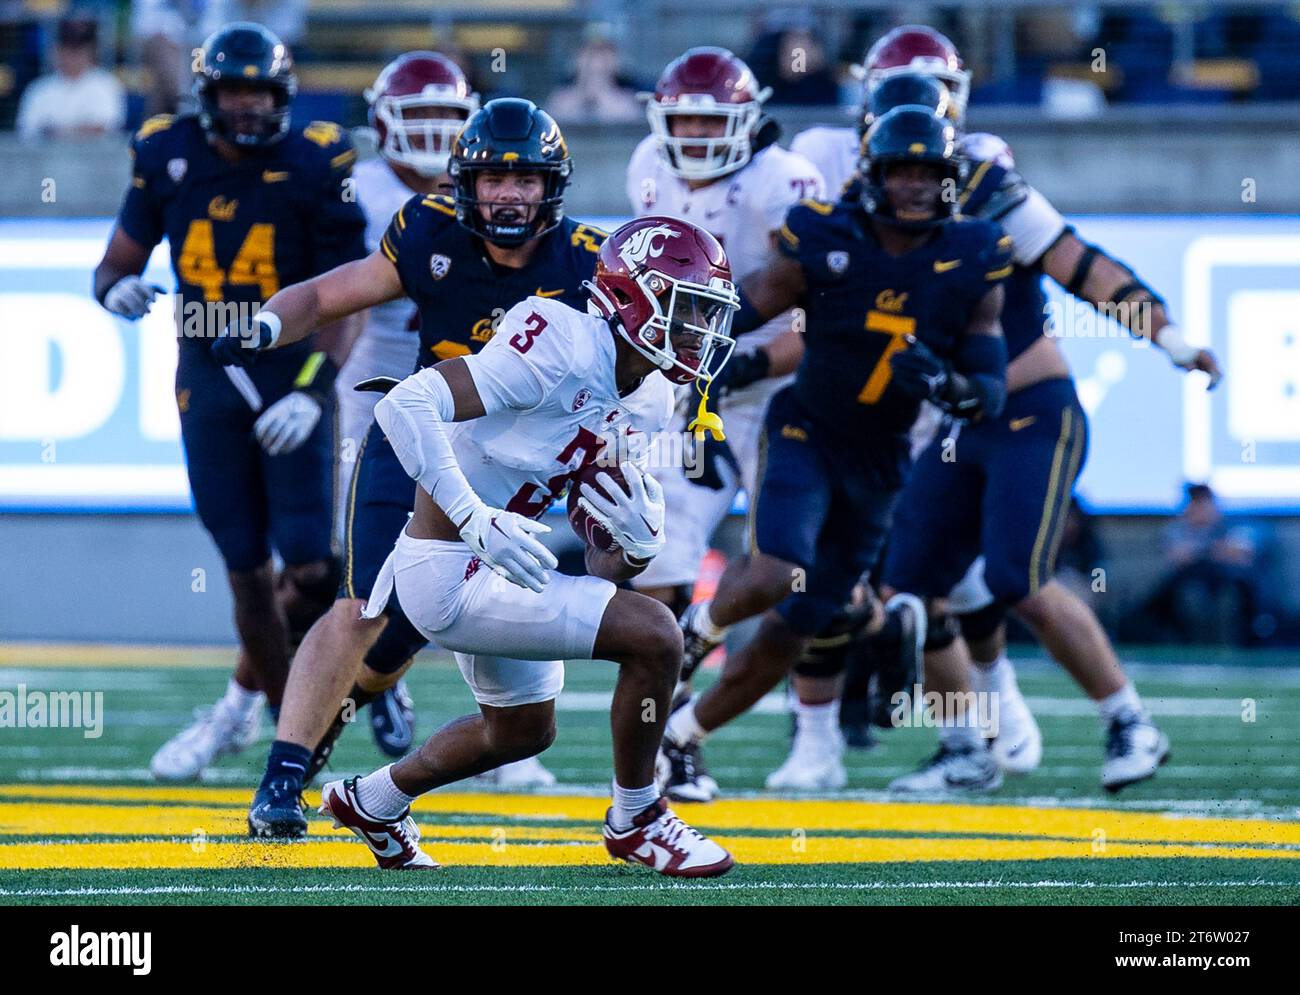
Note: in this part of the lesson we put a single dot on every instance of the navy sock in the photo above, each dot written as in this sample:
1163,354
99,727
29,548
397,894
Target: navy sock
286,761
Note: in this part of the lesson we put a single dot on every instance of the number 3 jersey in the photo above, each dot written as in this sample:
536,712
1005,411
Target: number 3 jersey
239,232
547,384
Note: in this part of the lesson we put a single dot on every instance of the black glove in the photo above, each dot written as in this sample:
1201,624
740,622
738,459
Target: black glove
240,341
741,370
918,372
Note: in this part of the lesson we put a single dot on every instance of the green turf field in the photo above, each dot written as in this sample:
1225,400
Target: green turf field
81,820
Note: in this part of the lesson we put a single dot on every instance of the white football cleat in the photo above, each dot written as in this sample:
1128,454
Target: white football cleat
814,764
394,843
215,732
521,774
952,770
1135,749
660,840
1018,746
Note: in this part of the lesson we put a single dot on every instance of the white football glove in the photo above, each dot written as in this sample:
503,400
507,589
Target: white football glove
504,541
635,522
131,297
287,423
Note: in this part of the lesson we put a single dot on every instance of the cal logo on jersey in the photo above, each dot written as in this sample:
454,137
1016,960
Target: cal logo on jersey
648,243
889,301
439,265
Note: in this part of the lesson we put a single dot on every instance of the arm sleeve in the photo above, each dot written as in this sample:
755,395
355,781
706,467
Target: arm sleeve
1034,225
413,415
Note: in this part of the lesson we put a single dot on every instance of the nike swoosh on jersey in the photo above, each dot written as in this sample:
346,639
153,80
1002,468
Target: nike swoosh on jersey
548,293
274,176
1017,424
943,265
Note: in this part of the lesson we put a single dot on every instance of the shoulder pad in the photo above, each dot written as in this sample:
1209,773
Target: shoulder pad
155,124
436,204
980,146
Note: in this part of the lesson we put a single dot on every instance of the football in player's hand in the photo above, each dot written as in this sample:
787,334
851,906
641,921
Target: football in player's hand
587,528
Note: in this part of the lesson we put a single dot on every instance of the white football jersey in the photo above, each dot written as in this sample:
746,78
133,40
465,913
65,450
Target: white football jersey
834,151
1033,223
739,209
547,384
381,194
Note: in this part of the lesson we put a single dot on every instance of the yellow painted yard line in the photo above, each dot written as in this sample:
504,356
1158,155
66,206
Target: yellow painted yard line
124,656
770,850
62,821
782,814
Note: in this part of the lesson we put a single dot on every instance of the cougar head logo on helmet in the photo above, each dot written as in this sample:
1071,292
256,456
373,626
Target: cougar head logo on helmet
706,82
418,105
916,48
665,288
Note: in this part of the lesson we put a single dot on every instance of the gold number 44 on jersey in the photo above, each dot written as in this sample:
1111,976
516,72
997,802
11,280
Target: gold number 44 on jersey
254,263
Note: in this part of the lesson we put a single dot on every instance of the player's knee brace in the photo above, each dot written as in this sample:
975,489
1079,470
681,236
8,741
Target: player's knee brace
827,652
399,641
307,594
982,623
941,632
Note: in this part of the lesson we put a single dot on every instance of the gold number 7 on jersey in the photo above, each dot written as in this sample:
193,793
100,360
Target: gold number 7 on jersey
899,328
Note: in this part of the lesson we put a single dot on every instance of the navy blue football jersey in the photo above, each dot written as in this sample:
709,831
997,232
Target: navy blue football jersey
239,232
861,304
993,191
460,292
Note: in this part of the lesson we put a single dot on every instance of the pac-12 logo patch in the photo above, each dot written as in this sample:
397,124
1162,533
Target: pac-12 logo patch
176,169
581,398
439,265
837,262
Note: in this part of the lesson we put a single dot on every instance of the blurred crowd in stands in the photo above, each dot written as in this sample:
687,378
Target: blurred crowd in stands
1073,60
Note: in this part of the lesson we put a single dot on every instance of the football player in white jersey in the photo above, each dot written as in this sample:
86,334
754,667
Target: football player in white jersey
492,439
1043,240
417,104
711,158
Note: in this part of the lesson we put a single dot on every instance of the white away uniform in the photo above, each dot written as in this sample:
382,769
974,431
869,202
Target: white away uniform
740,210
551,403
389,344
834,151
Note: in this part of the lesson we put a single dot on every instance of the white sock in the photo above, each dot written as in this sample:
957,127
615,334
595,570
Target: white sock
819,721
683,727
1124,700
996,676
631,802
702,623
238,700
379,797
960,737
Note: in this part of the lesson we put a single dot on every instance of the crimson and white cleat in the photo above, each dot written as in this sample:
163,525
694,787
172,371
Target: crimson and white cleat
663,842
395,843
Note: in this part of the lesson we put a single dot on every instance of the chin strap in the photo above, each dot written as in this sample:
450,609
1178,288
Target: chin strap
706,420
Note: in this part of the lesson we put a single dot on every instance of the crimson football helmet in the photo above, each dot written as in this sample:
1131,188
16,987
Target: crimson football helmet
709,82
919,49
413,83
665,287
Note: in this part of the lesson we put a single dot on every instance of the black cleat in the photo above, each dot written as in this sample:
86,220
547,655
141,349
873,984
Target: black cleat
682,774
392,720
900,647
277,812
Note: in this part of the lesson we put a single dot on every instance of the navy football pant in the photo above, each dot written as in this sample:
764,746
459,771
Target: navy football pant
248,501
1000,489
